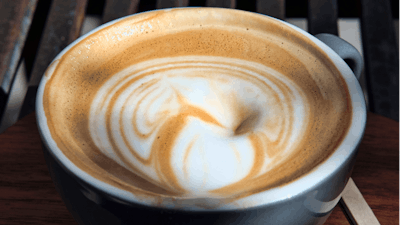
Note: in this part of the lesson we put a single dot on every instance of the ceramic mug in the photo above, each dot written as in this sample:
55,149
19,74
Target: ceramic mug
308,199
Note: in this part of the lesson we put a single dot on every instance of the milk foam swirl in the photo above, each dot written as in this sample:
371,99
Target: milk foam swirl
196,124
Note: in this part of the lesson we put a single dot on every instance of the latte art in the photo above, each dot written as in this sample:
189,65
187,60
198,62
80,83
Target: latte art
196,124
191,107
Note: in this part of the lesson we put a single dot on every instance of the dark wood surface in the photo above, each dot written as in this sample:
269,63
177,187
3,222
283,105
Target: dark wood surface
381,56
28,196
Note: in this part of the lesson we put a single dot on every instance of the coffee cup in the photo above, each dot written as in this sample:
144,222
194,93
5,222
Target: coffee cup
201,115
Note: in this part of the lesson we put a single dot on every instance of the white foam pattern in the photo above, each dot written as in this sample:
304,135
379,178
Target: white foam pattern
194,124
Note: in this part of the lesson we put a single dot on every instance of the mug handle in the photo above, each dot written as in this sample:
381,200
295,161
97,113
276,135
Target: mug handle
345,50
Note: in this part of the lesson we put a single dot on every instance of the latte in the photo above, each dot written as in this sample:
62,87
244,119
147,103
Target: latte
196,103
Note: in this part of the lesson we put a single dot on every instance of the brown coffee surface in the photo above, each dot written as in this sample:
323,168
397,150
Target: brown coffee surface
75,78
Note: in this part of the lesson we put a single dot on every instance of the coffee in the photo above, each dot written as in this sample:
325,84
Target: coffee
196,103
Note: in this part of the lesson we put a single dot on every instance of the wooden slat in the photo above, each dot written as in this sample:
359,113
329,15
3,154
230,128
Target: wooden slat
322,16
62,27
162,4
356,207
15,20
274,8
221,3
115,9
381,57
15,98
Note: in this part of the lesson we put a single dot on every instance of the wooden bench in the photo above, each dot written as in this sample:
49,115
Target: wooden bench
33,32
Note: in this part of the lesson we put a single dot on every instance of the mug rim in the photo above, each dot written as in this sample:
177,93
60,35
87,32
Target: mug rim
301,185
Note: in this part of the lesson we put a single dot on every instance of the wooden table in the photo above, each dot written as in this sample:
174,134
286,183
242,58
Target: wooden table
28,196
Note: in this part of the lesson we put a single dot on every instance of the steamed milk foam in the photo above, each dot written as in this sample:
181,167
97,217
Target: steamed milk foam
196,103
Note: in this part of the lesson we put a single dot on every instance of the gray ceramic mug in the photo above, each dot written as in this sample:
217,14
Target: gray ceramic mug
308,200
